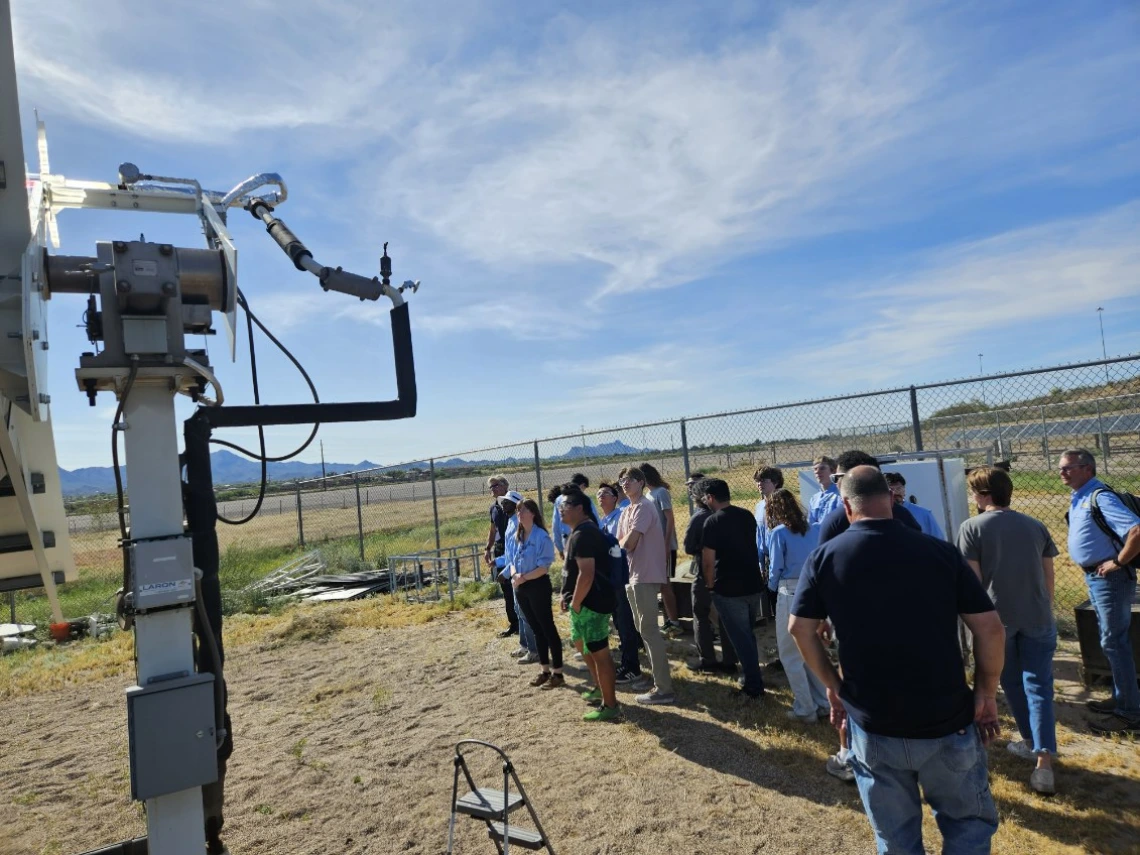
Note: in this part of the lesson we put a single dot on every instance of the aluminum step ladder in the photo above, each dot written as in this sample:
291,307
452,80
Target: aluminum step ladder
494,807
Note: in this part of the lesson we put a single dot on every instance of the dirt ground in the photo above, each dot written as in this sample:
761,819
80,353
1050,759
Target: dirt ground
344,746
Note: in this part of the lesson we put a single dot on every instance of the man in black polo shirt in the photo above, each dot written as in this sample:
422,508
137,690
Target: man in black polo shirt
913,720
731,565
589,595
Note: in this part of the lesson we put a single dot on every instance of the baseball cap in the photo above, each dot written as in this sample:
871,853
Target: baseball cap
511,496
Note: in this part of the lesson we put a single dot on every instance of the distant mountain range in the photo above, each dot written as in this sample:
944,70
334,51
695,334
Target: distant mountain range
229,468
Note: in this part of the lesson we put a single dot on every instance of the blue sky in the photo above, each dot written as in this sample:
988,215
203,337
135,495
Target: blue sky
619,211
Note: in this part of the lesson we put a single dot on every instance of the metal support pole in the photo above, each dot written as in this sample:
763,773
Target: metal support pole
12,605
538,480
1044,437
1102,436
300,518
434,502
163,638
359,516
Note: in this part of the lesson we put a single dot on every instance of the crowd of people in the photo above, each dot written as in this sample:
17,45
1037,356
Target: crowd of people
851,581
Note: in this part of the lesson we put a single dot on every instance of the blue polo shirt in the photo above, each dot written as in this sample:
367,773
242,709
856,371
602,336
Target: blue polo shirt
610,521
1088,545
559,531
894,595
823,503
762,532
926,520
789,552
510,545
534,552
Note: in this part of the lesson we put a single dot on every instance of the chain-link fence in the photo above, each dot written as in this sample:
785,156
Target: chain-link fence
360,519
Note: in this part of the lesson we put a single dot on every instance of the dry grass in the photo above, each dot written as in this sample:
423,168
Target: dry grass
344,744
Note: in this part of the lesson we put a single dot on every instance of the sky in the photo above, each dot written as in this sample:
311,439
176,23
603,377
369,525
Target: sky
619,212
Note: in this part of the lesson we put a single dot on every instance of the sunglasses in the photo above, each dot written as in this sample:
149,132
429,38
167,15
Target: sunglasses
836,477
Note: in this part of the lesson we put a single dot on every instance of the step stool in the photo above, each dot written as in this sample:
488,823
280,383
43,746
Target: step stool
494,807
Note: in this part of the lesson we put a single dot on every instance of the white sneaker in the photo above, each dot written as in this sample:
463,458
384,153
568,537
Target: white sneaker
839,768
520,651
1021,749
810,718
655,697
528,658
1042,782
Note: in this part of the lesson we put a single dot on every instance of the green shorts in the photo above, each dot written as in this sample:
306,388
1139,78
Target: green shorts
590,627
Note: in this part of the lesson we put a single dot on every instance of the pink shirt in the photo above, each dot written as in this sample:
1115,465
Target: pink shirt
646,562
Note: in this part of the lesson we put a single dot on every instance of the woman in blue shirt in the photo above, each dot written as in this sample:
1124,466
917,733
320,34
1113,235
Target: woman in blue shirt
790,541
534,554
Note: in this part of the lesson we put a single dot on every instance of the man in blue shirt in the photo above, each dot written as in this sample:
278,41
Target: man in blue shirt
496,545
1111,582
559,531
914,721
768,481
827,500
924,517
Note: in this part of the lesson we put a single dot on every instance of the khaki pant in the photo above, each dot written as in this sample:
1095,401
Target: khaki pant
643,601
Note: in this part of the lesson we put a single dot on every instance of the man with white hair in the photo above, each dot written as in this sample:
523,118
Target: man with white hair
912,718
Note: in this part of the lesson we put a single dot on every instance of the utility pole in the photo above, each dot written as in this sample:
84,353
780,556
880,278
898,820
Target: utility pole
1103,349
324,483
982,372
583,429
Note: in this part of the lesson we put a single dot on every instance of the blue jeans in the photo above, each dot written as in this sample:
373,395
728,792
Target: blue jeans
952,773
739,614
1027,680
526,634
629,639
1111,596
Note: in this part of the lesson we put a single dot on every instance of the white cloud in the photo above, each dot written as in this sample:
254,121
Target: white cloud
1016,279
627,151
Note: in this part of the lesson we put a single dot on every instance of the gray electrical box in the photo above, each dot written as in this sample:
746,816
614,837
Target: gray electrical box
162,573
172,736
144,334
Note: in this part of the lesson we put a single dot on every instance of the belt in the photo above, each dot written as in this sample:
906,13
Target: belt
1091,568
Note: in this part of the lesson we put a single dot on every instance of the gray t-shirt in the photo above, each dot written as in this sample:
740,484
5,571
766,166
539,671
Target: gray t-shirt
664,502
1009,547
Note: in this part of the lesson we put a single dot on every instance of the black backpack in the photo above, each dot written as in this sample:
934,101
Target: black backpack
1132,503
617,573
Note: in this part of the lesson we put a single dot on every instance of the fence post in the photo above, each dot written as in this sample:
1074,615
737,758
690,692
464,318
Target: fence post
1044,438
434,502
538,480
359,516
915,424
685,458
300,518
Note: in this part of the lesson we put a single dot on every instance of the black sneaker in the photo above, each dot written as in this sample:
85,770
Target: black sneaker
624,678
1106,707
704,667
748,696
727,668
509,631
1113,725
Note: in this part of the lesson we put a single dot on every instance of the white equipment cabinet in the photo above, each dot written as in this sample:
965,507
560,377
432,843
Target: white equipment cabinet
936,483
